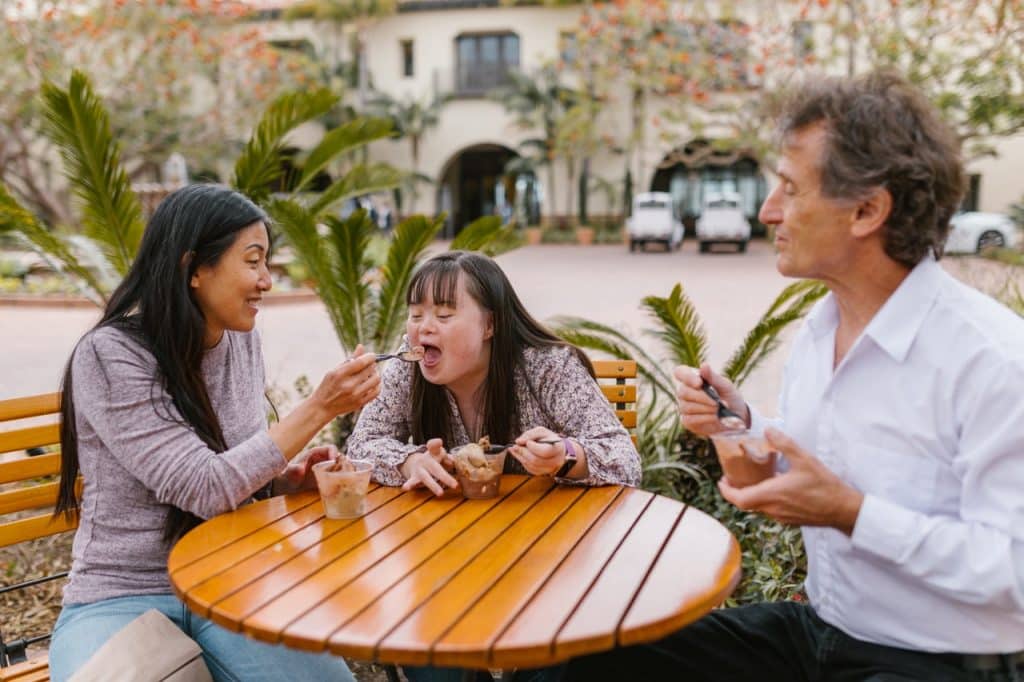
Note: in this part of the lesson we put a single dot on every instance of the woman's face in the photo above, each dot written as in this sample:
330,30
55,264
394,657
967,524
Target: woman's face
456,339
229,292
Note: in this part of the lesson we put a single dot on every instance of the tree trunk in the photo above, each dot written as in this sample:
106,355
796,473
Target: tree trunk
583,193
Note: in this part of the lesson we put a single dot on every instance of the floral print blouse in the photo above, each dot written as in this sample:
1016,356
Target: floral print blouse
568,401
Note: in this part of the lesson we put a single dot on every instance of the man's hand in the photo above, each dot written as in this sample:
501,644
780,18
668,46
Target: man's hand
298,475
809,494
427,469
697,411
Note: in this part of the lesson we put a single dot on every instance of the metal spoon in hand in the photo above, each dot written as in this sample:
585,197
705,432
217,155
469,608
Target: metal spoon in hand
414,354
726,417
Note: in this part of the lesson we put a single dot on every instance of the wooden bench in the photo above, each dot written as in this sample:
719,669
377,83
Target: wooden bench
621,394
28,491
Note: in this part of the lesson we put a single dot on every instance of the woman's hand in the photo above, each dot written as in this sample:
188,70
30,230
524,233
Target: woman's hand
298,475
697,411
541,459
428,469
350,385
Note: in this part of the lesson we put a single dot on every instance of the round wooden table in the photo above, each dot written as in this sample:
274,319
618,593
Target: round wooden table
533,577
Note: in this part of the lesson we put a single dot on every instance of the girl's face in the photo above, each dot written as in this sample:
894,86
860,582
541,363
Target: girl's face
456,339
229,292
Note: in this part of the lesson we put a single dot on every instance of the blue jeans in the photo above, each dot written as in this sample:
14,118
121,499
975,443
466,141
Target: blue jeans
81,629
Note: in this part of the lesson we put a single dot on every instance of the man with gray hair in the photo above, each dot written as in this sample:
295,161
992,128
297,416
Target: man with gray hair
901,428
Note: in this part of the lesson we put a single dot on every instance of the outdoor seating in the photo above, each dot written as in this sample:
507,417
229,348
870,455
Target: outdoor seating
28,492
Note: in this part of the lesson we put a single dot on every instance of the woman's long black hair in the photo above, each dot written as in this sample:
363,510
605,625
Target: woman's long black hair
514,331
154,304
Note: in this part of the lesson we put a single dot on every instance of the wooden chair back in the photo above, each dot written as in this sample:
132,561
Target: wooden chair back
618,383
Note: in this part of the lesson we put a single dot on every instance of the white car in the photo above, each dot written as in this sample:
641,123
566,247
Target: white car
654,220
723,221
974,232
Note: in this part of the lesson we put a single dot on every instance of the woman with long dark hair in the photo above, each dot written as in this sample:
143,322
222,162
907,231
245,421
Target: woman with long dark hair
163,415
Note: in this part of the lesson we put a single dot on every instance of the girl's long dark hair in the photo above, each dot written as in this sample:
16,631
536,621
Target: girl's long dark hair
514,331
193,226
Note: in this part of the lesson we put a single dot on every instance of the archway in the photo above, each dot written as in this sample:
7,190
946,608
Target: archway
699,168
479,181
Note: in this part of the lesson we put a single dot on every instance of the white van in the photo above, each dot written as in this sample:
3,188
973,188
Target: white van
653,220
722,221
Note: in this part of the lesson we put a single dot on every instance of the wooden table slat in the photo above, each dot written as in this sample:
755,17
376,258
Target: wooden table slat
531,635
607,601
212,596
469,642
677,590
470,580
266,604
225,529
456,535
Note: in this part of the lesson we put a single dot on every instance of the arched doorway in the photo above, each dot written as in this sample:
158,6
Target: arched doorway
482,180
699,168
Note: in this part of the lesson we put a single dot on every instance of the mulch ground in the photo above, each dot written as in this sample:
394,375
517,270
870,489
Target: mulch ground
33,610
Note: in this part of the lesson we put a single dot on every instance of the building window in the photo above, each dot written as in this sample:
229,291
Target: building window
973,195
407,60
803,38
484,61
568,47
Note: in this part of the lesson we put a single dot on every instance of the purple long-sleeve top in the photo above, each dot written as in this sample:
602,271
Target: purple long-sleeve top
137,456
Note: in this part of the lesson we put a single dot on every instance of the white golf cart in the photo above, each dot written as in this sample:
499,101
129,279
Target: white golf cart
722,221
653,220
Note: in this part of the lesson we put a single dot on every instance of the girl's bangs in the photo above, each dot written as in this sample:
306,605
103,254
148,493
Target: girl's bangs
440,279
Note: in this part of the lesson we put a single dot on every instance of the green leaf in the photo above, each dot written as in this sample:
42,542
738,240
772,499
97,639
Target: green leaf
77,122
680,328
361,179
16,218
411,237
260,162
350,239
487,235
343,139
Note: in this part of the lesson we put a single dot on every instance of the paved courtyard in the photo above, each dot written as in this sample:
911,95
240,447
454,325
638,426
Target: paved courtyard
603,283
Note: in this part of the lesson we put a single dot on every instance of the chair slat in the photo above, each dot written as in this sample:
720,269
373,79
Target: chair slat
29,437
29,406
35,670
614,369
32,497
619,393
30,467
627,418
33,527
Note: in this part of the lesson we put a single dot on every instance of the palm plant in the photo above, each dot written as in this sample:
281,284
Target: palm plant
411,118
538,103
671,456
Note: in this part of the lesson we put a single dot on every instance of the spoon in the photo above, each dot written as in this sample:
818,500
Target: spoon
495,449
414,354
726,417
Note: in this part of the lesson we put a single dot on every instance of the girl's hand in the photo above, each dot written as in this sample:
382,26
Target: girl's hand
427,469
298,475
540,459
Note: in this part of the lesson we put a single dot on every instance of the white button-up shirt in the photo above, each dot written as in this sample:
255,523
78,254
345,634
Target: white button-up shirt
925,416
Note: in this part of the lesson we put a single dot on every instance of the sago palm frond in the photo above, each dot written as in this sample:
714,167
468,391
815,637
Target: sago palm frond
680,328
487,235
260,162
16,218
601,337
790,305
77,122
341,140
411,237
300,230
361,179
349,239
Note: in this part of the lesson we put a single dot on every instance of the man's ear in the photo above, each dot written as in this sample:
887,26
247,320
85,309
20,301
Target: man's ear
872,213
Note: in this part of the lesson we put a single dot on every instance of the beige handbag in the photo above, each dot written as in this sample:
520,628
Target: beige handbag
148,649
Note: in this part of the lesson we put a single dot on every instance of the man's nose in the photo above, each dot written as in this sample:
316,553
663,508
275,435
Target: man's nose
771,209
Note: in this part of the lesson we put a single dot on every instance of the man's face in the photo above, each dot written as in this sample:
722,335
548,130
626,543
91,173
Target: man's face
812,235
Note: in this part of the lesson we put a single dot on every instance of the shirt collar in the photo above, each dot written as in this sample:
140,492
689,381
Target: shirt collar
894,327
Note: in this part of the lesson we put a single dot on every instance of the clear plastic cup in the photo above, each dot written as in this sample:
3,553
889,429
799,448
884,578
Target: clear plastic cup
479,473
746,459
343,492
